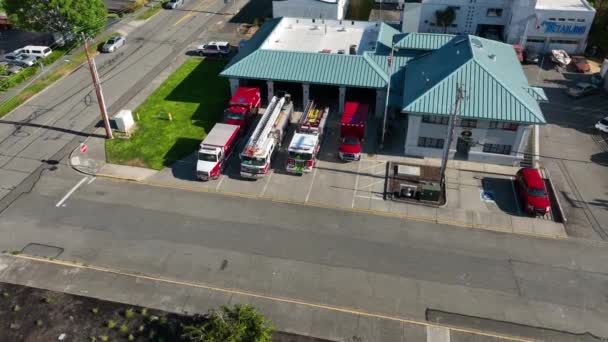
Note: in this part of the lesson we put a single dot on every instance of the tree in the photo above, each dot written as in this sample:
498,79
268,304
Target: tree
445,18
240,323
63,16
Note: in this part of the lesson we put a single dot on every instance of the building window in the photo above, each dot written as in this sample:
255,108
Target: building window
551,19
580,20
494,12
497,148
508,126
561,19
430,142
535,40
435,119
570,19
469,123
563,41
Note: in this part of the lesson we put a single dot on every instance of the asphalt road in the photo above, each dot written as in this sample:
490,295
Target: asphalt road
366,262
55,121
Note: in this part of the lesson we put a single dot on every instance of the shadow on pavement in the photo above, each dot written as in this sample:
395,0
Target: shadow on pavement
502,191
254,9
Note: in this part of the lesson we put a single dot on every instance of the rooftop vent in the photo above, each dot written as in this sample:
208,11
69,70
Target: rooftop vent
341,52
352,49
476,43
492,56
341,29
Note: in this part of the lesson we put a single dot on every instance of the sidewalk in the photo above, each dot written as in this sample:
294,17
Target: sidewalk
288,315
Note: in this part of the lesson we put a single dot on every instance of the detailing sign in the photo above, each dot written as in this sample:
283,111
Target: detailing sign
552,27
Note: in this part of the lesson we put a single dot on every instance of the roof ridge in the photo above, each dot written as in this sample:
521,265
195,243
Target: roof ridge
376,67
508,89
438,83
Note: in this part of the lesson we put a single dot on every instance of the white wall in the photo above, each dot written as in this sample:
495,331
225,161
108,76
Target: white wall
530,23
309,9
480,135
468,15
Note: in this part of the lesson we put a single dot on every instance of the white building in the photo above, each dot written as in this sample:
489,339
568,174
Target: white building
540,25
317,9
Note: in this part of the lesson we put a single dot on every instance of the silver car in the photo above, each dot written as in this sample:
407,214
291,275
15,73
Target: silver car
113,44
20,59
173,4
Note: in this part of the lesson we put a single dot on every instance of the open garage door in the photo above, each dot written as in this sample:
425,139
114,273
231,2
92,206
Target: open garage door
570,46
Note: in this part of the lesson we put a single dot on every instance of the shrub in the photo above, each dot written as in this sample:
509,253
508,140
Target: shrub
111,323
129,313
123,329
237,323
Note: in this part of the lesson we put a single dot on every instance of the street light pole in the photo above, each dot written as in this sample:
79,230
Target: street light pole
98,91
448,142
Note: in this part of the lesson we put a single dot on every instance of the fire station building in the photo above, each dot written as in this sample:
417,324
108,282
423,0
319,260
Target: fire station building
342,61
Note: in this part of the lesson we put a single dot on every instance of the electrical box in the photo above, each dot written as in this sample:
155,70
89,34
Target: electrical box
124,121
430,192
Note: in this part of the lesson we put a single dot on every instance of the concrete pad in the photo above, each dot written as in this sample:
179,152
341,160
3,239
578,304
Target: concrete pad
10,179
335,326
436,333
399,208
422,212
492,221
202,300
127,172
455,216
470,178
546,227
333,186
363,203
288,186
375,329
500,169
523,225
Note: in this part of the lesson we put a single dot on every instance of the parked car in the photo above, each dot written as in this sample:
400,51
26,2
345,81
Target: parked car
113,44
519,51
530,188
582,89
531,57
214,49
580,64
35,51
602,125
20,59
173,4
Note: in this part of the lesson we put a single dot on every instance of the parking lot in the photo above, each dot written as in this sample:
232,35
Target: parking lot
480,196
574,152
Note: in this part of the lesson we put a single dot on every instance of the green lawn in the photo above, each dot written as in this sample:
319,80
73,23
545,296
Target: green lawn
195,96
150,12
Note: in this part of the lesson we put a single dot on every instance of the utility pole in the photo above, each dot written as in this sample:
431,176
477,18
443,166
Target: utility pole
451,124
388,91
98,92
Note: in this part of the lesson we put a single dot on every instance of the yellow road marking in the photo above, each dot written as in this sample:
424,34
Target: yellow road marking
190,13
261,296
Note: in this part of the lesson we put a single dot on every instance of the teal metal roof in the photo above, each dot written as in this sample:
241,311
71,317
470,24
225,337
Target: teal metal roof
495,85
537,93
316,68
422,41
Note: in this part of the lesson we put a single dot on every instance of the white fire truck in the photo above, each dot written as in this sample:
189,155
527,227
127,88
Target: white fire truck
306,142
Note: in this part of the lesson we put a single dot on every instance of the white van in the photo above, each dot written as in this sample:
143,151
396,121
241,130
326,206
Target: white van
36,51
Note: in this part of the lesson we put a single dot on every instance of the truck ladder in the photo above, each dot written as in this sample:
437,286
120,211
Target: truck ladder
265,126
